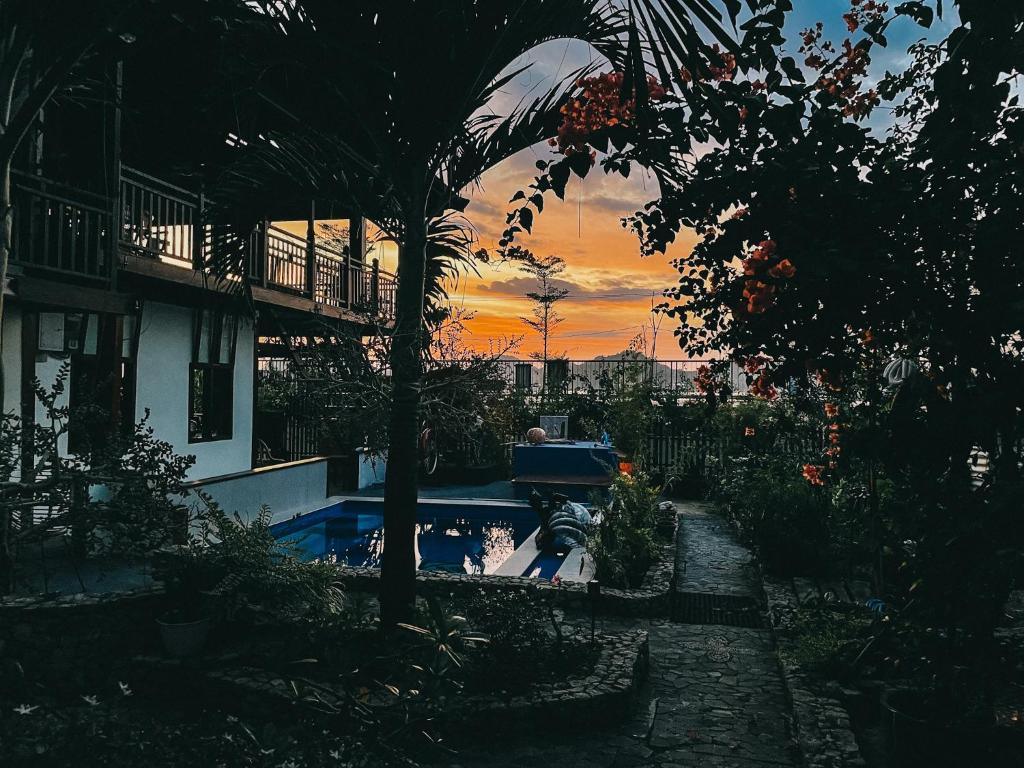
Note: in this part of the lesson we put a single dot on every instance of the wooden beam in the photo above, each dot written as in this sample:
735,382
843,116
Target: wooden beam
52,293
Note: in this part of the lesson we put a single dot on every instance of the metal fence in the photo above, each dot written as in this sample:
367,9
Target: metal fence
597,377
671,449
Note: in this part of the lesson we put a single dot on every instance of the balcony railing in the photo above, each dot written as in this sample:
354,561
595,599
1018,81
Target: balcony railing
334,279
160,220
70,231
61,229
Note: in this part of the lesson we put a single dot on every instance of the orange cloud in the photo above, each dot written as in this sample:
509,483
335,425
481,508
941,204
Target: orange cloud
610,285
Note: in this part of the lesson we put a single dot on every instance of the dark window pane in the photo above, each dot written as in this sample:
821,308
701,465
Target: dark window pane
211,402
196,402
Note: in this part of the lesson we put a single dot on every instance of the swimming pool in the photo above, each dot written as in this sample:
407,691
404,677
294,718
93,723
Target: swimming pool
452,536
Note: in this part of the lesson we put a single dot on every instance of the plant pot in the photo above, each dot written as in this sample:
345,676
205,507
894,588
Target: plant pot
913,740
184,638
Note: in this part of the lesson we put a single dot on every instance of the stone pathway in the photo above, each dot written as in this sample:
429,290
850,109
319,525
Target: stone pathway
709,560
714,697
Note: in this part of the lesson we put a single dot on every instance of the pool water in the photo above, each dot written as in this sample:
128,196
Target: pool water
451,536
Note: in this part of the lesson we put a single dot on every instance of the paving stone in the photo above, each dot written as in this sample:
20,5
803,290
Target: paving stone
714,697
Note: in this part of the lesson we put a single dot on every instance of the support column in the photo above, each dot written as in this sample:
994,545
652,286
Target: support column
311,251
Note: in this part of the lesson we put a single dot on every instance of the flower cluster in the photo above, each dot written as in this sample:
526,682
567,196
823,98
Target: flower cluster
814,474
842,81
832,380
864,12
721,67
762,388
725,68
760,384
599,105
763,263
704,381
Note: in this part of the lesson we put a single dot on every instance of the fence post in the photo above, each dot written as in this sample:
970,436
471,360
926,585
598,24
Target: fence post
375,286
199,232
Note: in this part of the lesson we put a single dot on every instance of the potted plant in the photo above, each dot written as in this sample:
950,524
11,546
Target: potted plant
188,577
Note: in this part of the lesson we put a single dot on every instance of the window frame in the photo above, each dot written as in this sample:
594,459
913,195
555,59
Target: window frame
210,325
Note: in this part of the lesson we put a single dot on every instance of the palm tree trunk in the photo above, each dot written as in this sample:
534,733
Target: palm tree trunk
398,568
6,227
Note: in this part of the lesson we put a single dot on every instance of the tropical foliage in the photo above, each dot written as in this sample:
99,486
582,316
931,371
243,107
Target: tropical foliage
884,269
364,132
116,492
625,541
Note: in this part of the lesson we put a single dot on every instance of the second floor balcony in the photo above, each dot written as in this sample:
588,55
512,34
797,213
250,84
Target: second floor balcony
152,225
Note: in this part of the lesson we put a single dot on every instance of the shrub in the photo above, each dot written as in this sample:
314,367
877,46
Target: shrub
624,542
776,512
829,639
241,567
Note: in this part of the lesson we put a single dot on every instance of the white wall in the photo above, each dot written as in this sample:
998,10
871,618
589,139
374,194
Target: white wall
12,357
372,468
165,351
48,366
288,489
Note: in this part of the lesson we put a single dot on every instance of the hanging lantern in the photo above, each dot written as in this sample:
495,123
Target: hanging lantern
899,370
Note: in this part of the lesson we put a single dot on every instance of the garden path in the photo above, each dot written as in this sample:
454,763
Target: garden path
714,697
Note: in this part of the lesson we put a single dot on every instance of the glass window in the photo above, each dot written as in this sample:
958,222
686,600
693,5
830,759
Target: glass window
210,402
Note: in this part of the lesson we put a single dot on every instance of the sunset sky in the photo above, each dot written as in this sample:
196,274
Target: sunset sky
611,286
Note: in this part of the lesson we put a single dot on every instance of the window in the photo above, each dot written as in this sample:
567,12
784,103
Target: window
211,377
102,377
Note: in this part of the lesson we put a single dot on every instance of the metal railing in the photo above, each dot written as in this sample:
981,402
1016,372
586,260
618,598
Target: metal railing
579,377
62,229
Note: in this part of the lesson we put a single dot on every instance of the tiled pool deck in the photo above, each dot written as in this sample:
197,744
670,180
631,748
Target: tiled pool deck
501,490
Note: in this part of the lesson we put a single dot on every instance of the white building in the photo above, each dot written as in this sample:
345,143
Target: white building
106,276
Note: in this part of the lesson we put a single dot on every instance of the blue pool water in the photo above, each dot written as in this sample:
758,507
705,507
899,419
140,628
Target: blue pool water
452,536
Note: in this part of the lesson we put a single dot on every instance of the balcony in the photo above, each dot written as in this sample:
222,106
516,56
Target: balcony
63,231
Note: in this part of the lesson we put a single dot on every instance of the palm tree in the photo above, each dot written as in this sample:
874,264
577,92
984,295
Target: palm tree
383,107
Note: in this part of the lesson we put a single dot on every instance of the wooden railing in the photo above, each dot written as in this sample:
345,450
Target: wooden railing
334,279
286,261
159,219
61,229
66,230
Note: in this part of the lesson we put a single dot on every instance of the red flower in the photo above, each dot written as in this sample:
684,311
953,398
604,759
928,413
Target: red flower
763,389
599,105
784,269
759,295
812,474
749,432
831,410
766,248
727,64
704,381
754,365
